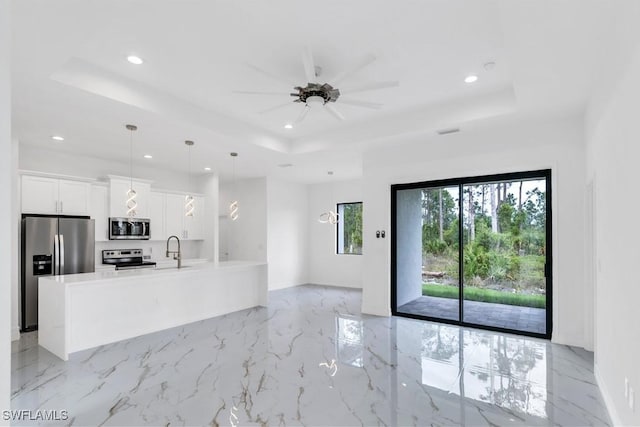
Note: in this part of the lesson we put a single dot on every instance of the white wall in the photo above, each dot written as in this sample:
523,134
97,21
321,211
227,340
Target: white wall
37,159
613,153
325,266
287,236
6,213
16,231
246,238
493,148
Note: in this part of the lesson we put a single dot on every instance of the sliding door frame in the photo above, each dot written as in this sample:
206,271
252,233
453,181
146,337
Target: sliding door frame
460,183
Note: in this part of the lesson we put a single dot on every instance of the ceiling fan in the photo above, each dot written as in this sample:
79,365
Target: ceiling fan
323,95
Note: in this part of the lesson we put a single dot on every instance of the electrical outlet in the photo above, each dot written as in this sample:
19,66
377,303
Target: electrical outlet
632,398
626,387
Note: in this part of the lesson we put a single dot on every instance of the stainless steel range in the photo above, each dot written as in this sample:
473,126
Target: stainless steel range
126,259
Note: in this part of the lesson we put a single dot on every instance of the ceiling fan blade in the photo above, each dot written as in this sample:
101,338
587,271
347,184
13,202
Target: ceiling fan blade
368,59
248,92
369,86
277,107
332,110
268,74
309,65
357,103
302,115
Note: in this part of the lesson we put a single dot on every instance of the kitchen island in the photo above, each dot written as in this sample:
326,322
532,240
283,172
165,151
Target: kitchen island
82,311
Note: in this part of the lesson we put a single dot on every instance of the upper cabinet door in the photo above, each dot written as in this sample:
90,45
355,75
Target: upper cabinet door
157,215
174,220
39,195
74,197
194,225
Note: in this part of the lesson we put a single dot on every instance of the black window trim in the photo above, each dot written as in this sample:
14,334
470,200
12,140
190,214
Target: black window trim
541,173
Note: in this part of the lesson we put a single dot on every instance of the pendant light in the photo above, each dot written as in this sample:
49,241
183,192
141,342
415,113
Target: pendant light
189,206
233,206
131,193
329,217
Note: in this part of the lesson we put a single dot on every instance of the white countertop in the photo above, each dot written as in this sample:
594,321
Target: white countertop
161,270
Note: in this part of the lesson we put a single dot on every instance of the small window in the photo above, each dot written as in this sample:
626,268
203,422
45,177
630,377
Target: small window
350,228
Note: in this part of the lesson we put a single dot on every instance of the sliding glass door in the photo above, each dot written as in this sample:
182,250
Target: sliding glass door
474,251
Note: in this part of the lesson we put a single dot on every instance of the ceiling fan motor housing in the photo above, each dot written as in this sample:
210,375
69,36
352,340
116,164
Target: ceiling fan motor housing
324,91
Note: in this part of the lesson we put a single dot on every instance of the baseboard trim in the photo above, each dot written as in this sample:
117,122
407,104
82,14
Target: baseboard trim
15,333
608,402
335,286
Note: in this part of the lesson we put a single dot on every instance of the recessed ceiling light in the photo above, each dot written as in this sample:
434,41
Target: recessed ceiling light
148,156
135,59
288,126
57,138
207,169
471,78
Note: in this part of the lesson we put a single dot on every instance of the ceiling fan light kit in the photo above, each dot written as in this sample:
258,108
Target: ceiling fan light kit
315,94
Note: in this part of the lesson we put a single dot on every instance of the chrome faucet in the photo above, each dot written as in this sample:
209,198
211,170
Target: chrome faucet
177,255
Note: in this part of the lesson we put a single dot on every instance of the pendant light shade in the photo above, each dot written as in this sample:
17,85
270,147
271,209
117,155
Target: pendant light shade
233,206
131,193
189,206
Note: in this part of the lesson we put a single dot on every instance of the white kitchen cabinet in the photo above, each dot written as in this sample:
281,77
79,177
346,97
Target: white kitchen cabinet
157,215
39,195
100,211
174,215
177,224
194,225
43,195
118,189
74,197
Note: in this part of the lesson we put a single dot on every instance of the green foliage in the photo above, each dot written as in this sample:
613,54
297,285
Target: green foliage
352,227
512,255
485,295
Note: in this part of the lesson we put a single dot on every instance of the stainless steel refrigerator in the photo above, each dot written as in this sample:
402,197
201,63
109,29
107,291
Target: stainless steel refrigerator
52,246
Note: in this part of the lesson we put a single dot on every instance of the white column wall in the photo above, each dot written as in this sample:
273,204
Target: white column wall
493,148
6,210
210,187
246,238
287,237
613,153
409,245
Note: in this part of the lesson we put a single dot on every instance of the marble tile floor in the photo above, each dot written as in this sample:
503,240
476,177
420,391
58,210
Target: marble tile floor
311,358
514,317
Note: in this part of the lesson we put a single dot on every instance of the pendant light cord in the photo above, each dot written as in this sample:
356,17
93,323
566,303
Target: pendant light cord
131,159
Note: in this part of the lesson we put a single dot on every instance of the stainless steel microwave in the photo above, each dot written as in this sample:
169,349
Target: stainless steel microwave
129,229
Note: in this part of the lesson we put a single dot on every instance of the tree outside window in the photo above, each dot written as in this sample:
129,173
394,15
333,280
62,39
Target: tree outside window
350,228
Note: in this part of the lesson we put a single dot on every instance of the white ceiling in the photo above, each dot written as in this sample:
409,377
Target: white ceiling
71,76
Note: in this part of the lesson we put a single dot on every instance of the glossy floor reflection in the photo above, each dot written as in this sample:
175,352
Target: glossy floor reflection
312,359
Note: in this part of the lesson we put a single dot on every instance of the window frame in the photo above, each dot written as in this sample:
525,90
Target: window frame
339,226
469,180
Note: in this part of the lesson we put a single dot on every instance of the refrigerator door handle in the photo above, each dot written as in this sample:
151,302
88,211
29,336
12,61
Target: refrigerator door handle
61,254
56,255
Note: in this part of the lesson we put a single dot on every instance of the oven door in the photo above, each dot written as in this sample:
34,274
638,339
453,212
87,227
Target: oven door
129,229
